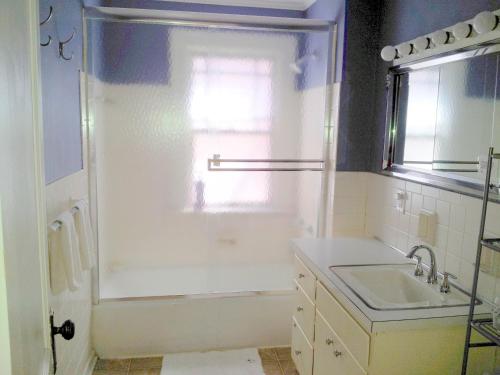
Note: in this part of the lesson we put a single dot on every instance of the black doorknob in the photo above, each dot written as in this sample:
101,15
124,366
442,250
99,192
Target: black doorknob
66,330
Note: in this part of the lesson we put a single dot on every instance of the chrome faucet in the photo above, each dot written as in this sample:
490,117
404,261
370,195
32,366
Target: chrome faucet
432,275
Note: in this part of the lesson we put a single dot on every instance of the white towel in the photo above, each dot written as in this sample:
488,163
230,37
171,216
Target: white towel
85,236
64,256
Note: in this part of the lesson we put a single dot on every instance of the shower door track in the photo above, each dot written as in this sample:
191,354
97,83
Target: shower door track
279,25
218,21
236,294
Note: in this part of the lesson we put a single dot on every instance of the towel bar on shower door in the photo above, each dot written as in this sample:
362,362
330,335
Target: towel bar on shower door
216,160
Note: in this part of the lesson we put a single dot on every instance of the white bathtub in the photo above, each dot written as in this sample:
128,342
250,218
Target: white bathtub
155,326
147,311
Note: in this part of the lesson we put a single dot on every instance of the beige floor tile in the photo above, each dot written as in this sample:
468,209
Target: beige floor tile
283,353
270,365
152,371
146,363
288,368
113,364
110,372
267,353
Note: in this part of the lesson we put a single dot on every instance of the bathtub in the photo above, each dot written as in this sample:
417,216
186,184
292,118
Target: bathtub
220,308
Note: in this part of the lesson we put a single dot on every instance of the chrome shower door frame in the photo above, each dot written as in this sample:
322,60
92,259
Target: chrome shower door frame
258,23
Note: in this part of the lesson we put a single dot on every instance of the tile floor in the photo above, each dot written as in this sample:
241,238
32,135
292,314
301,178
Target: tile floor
275,361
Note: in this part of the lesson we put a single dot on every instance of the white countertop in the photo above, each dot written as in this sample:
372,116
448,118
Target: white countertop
320,254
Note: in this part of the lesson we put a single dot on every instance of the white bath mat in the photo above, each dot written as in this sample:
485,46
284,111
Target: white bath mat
230,362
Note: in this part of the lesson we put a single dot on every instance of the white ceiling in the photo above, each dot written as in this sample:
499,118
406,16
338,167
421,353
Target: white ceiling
275,4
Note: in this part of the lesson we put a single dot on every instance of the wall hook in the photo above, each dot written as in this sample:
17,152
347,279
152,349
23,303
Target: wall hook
47,42
63,43
51,12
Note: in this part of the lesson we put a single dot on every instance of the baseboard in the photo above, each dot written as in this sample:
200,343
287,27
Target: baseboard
89,368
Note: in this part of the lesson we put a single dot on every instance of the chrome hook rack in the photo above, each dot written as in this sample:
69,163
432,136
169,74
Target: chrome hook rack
63,43
47,19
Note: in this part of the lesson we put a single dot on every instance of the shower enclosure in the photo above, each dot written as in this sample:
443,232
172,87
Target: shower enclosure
208,146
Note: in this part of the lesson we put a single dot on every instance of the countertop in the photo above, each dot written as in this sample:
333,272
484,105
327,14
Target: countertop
320,254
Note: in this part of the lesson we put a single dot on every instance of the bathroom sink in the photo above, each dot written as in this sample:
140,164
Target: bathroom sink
394,287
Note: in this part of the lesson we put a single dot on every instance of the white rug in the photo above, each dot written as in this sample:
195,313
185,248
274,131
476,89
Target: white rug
229,362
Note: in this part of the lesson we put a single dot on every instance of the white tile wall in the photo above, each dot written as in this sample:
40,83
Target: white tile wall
349,204
457,231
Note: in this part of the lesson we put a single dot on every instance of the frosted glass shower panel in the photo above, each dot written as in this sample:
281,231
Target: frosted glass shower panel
160,114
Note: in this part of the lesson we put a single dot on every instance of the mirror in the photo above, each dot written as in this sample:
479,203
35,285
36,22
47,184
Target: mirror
445,114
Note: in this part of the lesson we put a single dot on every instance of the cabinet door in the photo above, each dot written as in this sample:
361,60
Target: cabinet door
302,352
304,312
305,278
331,357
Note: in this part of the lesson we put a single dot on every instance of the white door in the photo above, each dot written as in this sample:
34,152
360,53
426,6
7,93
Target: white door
23,284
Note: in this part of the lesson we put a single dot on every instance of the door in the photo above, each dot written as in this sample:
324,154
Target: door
23,253
209,158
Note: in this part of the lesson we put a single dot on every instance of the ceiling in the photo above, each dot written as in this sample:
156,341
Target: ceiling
275,4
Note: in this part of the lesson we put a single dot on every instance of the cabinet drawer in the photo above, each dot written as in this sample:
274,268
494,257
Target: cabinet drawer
302,352
305,278
349,331
304,312
330,355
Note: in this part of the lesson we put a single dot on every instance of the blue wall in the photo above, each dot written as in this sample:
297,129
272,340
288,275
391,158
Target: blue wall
330,10
61,89
119,48
129,53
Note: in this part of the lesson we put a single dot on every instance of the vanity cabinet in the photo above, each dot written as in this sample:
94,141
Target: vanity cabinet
327,339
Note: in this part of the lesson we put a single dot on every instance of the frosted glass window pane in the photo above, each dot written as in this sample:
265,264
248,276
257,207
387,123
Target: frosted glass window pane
231,93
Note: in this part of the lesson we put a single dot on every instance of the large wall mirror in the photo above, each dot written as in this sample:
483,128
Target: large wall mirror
443,115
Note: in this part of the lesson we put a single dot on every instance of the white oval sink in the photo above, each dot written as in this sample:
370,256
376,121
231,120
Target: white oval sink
394,287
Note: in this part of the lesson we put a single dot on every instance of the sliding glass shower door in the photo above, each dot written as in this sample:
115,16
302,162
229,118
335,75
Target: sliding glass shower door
209,147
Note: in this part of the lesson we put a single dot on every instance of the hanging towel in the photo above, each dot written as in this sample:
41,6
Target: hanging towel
64,256
85,236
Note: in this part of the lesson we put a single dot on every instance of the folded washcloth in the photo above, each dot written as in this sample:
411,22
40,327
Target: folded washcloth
65,257
85,236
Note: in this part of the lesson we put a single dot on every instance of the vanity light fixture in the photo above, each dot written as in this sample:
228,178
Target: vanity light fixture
422,43
440,37
462,30
389,53
483,27
485,22
405,49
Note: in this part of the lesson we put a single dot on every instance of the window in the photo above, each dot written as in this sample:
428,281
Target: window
230,114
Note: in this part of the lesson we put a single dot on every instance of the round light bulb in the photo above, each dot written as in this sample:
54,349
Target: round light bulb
462,30
405,49
485,22
388,53
440,37
422,43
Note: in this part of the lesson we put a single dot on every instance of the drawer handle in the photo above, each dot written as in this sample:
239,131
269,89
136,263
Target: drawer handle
298,352
329,342
300,308
337,353
301,275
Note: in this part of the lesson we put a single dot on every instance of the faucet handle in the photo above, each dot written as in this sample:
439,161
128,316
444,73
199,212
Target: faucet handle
418,269
445,285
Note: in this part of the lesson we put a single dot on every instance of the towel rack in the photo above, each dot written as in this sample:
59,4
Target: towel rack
57,224
216,161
